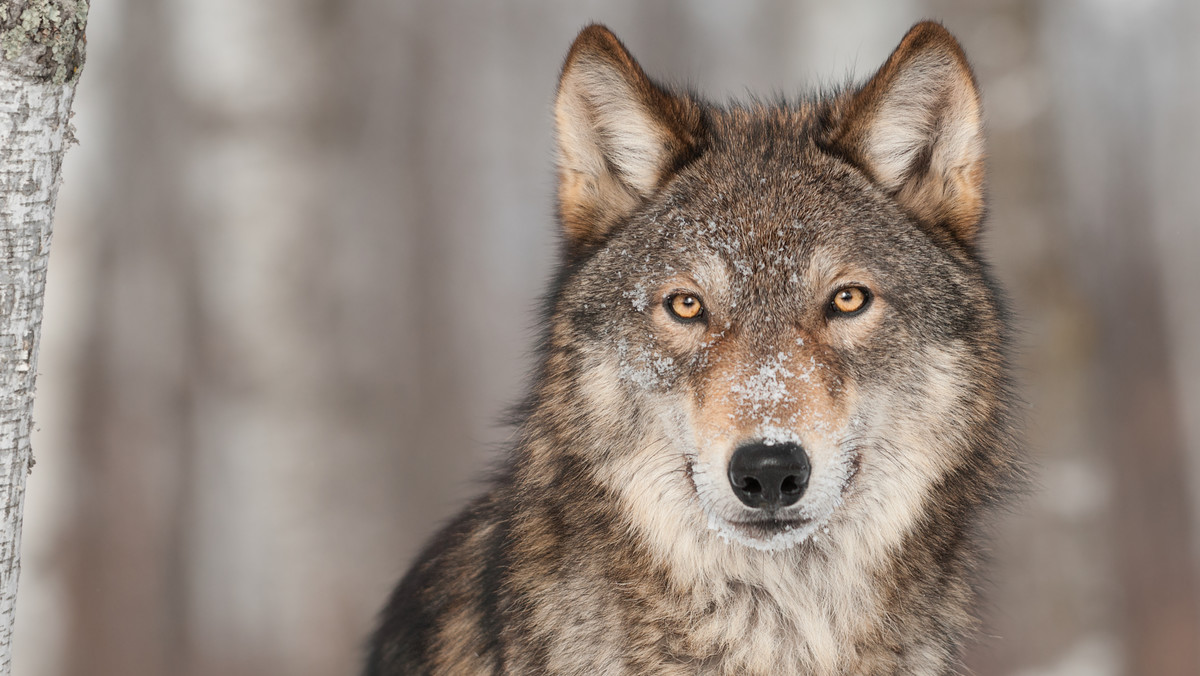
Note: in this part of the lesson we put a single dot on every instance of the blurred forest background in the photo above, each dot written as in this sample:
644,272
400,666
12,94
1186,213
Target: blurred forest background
297,259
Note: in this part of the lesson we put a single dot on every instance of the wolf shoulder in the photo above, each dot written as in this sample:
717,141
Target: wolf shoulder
441,618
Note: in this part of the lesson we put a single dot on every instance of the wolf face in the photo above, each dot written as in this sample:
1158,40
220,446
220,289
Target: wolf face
782,302
772,402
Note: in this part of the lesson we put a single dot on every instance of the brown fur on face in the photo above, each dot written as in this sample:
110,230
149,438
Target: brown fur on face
611,542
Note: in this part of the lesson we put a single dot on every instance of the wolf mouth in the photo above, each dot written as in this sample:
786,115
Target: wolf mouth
770,526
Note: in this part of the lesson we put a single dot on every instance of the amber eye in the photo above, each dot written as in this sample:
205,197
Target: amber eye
849,300
685,306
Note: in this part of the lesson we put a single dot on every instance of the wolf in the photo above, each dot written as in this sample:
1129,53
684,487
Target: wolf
773,407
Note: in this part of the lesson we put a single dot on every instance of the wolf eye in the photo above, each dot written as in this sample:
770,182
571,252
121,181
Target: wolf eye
684,306
849,300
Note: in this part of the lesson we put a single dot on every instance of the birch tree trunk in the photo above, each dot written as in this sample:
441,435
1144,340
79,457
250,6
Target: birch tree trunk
41,54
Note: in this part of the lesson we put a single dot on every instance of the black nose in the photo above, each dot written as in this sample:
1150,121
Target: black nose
769,476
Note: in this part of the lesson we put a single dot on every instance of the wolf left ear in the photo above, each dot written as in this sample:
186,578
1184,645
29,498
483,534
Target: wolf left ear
620,136
916,127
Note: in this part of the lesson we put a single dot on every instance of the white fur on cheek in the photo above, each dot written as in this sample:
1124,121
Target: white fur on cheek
901,458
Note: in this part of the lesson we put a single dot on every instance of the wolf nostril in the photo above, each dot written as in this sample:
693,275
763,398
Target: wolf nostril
769,476
790,484
750,485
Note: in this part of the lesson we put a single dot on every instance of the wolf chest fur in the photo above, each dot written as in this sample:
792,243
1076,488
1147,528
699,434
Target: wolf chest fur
772,405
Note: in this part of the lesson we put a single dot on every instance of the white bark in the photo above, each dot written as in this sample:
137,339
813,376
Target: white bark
42,54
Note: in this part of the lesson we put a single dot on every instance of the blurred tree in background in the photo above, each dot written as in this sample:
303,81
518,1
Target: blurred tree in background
260,392
42,57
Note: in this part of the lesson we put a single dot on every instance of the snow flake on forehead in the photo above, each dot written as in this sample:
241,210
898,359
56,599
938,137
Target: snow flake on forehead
639,296
747,246
727,256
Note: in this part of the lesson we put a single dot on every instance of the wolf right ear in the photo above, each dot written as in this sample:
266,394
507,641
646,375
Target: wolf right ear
620,136
916,127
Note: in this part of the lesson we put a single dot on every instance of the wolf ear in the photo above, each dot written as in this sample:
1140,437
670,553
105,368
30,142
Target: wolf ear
916,127
620,135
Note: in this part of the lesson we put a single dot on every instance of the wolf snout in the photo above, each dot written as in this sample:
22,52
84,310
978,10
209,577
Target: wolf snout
769,476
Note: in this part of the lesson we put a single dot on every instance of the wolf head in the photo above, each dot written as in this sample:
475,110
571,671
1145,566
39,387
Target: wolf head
773,328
